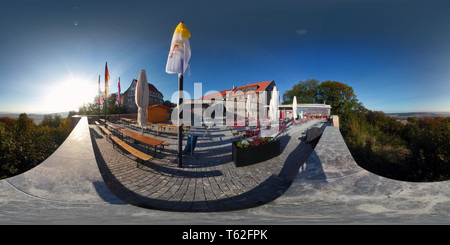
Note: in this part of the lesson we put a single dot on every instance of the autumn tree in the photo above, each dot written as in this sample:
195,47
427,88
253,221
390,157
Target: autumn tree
339,95
23,144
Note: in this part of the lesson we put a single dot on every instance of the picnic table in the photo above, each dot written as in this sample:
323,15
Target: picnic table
144,139
165,128
164,124
129,120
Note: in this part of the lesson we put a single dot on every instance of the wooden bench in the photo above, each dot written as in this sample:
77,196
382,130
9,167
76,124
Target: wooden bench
98,124
164,144
136,153
106,131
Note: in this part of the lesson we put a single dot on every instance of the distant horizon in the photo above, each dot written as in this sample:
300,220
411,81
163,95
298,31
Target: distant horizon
32,113
64,112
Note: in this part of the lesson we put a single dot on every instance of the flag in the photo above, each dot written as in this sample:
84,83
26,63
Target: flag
118,99
180,51
99,92
106,80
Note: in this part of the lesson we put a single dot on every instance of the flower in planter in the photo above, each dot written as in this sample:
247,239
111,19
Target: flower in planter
254,142
242,143
257,141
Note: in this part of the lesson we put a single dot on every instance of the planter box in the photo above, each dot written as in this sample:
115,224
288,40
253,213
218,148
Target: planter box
255,154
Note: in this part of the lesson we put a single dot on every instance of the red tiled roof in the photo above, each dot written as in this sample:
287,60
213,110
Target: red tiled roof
151,87
223,93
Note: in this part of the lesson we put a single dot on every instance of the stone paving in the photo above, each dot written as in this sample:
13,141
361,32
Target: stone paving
211,183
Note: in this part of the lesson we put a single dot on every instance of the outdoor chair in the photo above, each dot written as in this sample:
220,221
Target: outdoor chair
235,133
281,129
251,133
256,132
190,146
248,133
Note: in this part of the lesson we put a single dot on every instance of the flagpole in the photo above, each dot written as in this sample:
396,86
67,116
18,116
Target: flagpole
177,62
99,97
106,102
120,99
180,127
106,87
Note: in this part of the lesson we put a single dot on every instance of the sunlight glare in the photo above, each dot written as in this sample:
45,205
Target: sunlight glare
70,95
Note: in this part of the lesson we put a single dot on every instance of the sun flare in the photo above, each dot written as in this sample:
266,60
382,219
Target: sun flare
71,94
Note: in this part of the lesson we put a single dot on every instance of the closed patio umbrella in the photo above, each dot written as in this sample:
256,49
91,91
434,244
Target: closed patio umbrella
294,108
275,98
249,106
271,108
141,98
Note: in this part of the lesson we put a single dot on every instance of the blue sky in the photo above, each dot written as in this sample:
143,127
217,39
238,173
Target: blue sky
394,53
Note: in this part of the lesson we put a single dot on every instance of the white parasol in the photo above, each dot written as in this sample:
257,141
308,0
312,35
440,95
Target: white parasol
294,108
141,98
274,115
249,106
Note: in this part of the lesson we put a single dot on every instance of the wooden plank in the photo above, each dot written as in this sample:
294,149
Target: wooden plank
129,120
106,131
112,125
161,148
170,125
165,131
143,138
131,150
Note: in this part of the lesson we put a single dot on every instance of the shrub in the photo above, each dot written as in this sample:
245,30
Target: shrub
24,145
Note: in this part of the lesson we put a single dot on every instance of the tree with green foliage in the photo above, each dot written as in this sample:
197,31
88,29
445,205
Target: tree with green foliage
339,95
417,151
429,142
112,107
306,92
